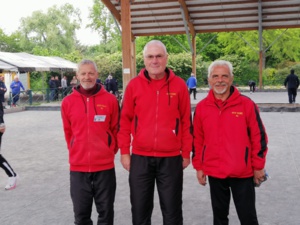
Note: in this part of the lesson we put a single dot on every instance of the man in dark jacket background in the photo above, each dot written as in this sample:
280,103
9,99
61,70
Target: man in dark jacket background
3,89
291,82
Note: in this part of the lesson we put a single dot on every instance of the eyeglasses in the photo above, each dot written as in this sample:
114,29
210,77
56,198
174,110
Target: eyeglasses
150,57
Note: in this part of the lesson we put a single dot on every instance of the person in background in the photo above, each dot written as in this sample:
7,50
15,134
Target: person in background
111,84
155,137
52,87
90,120
252,86
230,146
192,85
73,82
3,89
12,176
98,81
64,86
58,88
291,83
15,87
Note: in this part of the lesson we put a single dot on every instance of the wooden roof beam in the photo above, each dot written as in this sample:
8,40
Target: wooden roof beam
115,13
187,17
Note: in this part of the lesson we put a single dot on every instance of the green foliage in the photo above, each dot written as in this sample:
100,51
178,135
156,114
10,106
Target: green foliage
74,56
53,31
272,76
181,64
110,64
207,46
53,34
9,43
243,69
38,80
103,23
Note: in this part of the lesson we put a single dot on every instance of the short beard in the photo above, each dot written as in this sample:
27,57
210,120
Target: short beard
87,87
222,91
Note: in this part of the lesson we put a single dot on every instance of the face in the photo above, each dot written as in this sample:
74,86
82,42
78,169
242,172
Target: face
87,76
1,78
220,81
155,60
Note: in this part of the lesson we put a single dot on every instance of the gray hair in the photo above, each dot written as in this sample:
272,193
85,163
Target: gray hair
154,42
86,62
220,63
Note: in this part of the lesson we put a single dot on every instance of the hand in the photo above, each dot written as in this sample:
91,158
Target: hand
259,176
185,162
201,177
2,129
125,160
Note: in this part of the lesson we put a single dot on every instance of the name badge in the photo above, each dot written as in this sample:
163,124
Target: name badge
99,118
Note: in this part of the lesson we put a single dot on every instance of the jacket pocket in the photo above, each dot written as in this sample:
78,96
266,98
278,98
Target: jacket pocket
246,155
177,126
135,123
108,139
203,153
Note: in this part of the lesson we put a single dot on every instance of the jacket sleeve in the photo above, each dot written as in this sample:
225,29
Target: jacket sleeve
186,123
258,138
127,113
198,140
114,123
66,124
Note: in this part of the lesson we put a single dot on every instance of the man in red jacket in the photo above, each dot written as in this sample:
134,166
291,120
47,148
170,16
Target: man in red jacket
230,146
156,114
90,121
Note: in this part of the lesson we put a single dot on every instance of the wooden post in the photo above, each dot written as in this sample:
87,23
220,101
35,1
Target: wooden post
126,42
260,69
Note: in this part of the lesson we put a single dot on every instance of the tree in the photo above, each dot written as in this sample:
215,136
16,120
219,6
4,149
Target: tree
281,45
53,31
9,43
103,23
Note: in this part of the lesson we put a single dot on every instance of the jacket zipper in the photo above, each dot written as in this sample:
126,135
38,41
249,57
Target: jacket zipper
156,118
88,130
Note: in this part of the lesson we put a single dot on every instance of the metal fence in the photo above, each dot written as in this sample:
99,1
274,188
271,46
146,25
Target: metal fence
40,96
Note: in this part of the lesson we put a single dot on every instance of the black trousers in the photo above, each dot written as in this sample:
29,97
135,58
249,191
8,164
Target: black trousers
167,172
292,93
88,187
252,87
243,194
194,91
4,164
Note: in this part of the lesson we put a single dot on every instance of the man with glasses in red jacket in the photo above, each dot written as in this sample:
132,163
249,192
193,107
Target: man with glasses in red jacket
156,114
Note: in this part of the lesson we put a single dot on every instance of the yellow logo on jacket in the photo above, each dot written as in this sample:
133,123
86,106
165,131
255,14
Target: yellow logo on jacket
172,94
237,114
101,106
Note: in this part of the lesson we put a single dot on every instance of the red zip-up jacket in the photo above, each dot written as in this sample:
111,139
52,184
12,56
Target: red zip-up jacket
90,125
229,141
157,121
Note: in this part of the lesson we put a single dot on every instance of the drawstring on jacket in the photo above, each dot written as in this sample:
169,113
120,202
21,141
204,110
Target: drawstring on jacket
95,109
89,95
167,79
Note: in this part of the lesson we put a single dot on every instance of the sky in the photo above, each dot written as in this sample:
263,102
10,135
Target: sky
13,10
